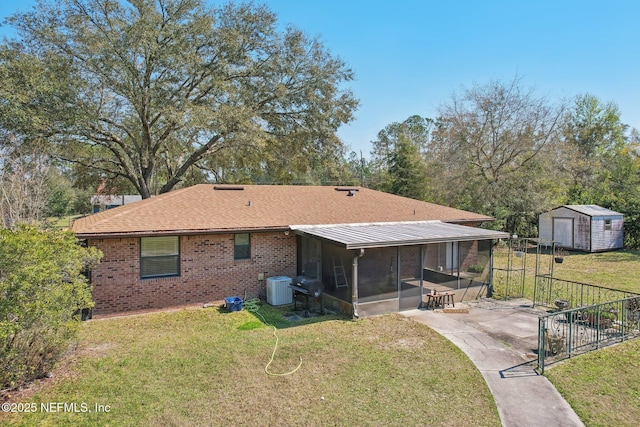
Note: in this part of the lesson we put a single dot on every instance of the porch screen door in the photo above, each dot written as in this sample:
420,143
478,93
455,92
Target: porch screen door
451,257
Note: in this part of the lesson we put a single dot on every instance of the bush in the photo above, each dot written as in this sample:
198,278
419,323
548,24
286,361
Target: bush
42,291
475,268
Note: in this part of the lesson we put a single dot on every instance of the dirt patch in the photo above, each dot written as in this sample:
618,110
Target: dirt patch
403,343
96,351
64,370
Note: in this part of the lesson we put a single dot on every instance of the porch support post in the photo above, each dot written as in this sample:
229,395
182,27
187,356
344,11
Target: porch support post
354,280
457,252
421,274
490,287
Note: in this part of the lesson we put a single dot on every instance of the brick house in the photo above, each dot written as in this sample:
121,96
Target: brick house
206,242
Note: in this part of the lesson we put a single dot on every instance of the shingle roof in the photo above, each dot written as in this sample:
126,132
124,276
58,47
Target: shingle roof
207,208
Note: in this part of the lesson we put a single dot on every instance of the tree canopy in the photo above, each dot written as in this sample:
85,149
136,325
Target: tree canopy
398,157
592,132
488,145
153,92
408,172
501,150
601,161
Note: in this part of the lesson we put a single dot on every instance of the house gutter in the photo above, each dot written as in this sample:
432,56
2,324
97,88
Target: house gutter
354,288
195,232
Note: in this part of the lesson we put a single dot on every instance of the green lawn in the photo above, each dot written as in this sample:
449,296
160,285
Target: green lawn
616,270
62,222
207,367
603,387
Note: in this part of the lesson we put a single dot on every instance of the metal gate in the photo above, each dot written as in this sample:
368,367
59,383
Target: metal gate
567,333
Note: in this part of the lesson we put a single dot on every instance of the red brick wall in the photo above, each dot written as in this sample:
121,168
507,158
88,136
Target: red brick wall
409,262
208,271
468,253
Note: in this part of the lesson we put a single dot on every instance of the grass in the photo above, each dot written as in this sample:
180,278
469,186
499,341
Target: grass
603,387
206,367
616,270
62,222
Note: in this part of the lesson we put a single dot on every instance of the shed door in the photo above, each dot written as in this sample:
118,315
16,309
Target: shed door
563,232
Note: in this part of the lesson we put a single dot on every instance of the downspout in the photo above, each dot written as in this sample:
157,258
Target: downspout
354,288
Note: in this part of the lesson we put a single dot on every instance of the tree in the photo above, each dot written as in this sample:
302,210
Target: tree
156,88
359,169
42,289
31,187
23,184
601,158
404,144
618,188
592,131
487,147
61,195
415,129
407,171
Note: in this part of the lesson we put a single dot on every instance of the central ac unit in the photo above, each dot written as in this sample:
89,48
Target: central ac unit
278,290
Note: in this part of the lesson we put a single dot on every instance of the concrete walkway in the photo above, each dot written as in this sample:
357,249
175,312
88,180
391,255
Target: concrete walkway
500,338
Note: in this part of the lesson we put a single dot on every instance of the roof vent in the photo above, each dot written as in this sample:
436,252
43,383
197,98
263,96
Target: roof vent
228,187
349,189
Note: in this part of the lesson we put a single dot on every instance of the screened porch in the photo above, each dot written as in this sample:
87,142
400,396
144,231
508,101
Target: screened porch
380,268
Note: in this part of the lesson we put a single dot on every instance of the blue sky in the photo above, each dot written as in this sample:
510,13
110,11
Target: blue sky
410,56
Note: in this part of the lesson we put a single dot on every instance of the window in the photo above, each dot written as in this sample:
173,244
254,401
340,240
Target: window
607,224
241,246
159,256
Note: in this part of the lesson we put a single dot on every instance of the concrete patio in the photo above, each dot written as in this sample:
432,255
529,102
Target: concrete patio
501,339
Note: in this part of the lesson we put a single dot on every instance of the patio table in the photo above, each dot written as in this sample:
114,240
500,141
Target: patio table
441,299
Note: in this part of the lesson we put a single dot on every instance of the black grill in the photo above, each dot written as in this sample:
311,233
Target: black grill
307,287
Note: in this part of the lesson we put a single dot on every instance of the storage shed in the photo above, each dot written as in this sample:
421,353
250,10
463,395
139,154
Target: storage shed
589,228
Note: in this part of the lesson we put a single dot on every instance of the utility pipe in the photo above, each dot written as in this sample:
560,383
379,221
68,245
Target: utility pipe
354,279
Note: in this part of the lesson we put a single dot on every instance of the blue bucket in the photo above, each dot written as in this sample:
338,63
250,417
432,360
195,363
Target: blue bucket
233,303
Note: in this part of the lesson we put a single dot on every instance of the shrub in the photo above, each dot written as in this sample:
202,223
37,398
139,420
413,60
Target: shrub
604,318
42,291
475,268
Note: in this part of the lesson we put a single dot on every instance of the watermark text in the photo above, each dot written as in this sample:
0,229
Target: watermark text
54,407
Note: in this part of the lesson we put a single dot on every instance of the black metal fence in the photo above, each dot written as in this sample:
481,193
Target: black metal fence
573,331
565,294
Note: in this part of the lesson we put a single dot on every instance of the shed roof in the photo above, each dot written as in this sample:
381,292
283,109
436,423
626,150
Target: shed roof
592,210
360,236
208,208
114,199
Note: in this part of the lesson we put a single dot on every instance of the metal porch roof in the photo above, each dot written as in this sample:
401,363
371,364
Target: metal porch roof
373,235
